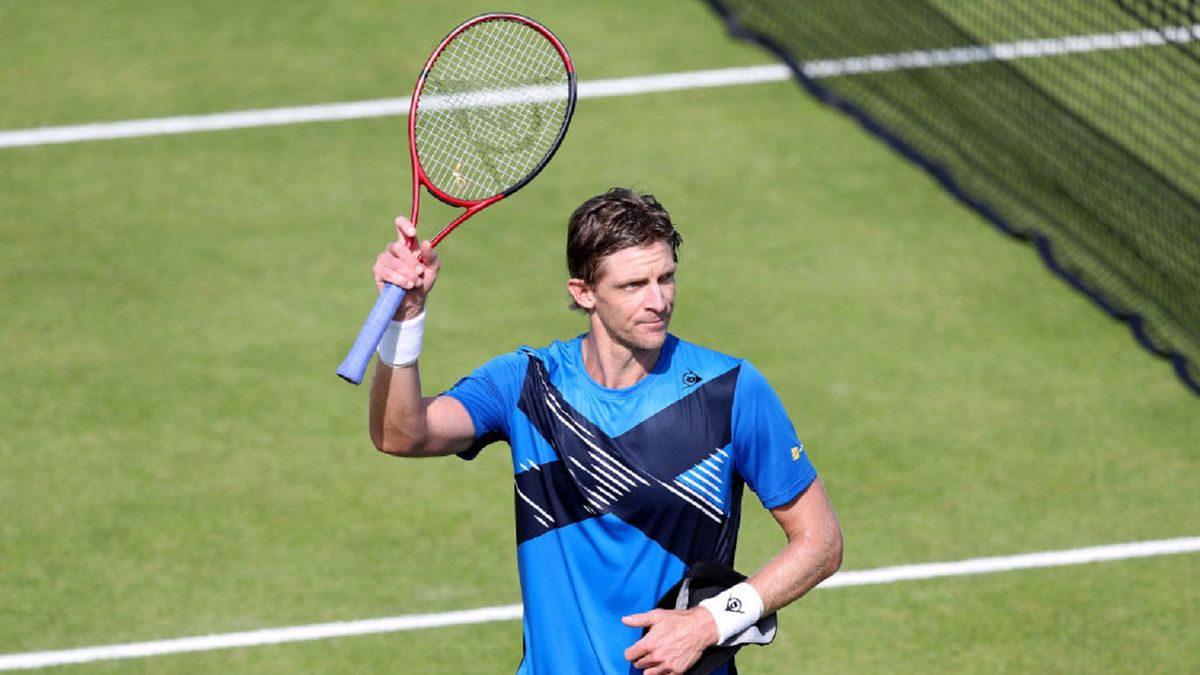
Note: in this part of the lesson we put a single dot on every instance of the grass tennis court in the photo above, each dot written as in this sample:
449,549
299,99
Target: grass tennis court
177,457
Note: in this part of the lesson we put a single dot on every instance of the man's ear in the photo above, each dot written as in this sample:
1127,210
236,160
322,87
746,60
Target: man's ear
581,292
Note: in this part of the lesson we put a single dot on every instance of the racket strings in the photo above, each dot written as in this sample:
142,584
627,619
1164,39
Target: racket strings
492,108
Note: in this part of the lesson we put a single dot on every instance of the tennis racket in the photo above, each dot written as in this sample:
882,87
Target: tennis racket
490,108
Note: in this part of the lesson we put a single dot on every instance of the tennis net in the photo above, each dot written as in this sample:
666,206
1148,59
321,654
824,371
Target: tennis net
1069,124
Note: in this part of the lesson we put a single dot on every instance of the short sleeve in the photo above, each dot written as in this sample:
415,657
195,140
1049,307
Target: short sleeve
767,452
490,395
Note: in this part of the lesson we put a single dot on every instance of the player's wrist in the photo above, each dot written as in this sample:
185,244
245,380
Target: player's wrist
409,313
400,346
411,307
734,610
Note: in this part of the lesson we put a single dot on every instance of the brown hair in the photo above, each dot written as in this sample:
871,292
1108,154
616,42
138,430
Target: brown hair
613,221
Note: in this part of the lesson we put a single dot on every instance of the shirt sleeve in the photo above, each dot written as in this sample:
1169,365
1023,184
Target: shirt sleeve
768,454
490,395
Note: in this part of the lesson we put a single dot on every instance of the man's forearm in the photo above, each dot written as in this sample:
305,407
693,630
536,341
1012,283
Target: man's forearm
397,410
796,570
812,554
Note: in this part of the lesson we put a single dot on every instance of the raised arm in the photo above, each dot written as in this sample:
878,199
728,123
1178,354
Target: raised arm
402,421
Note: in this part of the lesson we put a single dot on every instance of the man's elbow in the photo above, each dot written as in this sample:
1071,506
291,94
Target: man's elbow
396,445
833,551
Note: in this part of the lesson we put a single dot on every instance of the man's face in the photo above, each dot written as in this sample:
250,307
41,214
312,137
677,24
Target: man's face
633,295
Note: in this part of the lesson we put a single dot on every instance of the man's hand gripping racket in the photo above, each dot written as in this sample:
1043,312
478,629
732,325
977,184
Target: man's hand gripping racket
491,107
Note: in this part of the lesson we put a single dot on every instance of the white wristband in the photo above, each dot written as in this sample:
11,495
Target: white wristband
734,610
401,342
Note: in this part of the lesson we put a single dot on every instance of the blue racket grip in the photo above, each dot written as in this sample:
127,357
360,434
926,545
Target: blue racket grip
355,365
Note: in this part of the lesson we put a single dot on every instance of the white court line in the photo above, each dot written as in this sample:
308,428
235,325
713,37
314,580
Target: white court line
882,575
1002,51
629,86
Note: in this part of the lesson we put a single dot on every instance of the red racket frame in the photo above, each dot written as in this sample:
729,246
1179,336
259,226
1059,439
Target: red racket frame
421,179
354,366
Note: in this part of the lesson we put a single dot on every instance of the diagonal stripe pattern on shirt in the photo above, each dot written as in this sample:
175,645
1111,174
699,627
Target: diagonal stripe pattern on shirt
636,476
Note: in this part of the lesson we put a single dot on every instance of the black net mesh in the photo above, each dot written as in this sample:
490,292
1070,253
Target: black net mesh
1070,124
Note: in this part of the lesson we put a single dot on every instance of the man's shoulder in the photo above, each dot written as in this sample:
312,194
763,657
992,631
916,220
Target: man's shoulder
514,364
551,356
708,363
683,352
555,351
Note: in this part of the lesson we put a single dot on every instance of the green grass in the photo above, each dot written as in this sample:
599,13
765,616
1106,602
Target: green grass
177,457
79,61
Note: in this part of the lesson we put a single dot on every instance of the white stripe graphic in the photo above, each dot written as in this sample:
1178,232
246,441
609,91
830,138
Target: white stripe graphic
594,497
699,489
702,474
621,483
710,467
580,431
542,518
612,492
615,465
882,575
628,86
688,495
560,411
595,494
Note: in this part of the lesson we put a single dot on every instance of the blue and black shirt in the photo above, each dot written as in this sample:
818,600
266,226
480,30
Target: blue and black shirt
617,491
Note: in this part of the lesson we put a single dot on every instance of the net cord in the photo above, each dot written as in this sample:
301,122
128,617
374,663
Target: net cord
1136,322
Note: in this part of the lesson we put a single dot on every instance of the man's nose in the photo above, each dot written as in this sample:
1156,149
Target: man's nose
656,297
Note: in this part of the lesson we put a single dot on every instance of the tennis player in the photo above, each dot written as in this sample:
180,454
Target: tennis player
630,451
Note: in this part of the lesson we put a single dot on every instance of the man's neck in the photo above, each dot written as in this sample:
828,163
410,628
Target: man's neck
613,365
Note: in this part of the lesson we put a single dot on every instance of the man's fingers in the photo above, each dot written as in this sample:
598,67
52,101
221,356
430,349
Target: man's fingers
387,270
400,250
395,280
638,620
641,658
405,228
672,642
637,650
429,255
401,266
